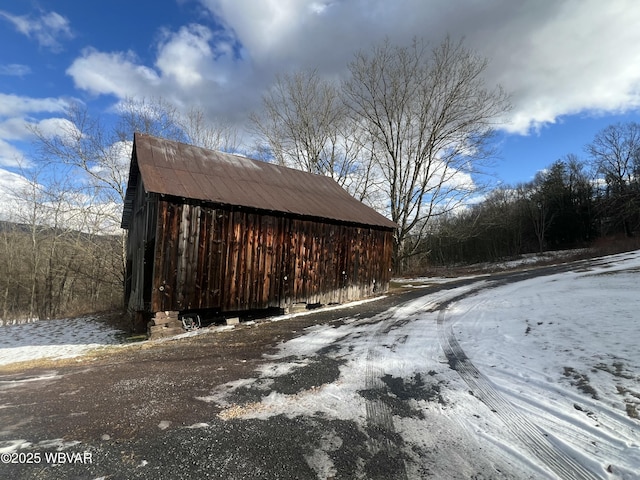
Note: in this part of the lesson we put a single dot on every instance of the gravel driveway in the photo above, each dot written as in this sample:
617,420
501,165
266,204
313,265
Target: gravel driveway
178,409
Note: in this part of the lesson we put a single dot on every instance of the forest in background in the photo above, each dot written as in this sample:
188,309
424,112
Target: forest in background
58,268
51,266
52,272
570,205
409,132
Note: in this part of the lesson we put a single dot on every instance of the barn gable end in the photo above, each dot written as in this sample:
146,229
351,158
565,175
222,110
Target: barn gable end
209,230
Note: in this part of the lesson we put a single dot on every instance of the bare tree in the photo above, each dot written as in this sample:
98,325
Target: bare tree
202,132
428,116
11,266
305,123
52,260
615,155
85,144
538,210
615,152
45,211
100,153
299,114
155,116
32,218
69,251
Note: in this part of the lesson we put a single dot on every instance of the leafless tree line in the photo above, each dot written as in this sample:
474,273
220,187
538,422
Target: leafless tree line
406,131
62,246
55,257
573,203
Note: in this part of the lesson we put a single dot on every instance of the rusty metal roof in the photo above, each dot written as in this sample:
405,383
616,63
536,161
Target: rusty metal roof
182,170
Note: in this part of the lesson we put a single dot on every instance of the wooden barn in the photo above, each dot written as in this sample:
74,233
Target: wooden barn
220,232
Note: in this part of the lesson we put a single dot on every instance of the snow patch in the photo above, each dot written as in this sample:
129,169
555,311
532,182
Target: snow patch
561,349
164,424
65,338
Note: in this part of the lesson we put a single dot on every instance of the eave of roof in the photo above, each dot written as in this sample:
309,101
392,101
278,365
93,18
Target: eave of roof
181,170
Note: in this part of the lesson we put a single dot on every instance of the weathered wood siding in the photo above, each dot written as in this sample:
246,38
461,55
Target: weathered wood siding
140,249
232,259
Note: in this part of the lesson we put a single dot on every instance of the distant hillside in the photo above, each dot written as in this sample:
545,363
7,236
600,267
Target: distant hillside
57,272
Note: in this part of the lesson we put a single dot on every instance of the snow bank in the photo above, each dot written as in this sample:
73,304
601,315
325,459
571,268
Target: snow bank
64,338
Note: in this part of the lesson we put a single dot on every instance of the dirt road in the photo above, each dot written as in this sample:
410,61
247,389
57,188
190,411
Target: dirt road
147,411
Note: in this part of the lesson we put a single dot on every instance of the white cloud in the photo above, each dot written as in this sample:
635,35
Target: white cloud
15,116
15,70
52,127
284,34
15,105
582,58
112,74
555,58
46,28
19,128
264,28
10,186
193,66
10,156
185,57
13,129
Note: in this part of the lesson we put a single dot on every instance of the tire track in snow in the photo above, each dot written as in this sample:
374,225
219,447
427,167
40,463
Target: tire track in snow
532,437
378,414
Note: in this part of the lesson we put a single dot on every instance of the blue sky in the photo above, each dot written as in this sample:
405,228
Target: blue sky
572,67
522,156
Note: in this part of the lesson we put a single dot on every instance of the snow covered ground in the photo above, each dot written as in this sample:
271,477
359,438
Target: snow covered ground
524,261
564,350
64,338
550,361
558,368
73,337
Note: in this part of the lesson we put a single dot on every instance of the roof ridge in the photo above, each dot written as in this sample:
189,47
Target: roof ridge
186,171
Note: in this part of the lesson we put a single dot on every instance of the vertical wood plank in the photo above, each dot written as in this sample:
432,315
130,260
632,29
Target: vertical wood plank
209,257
